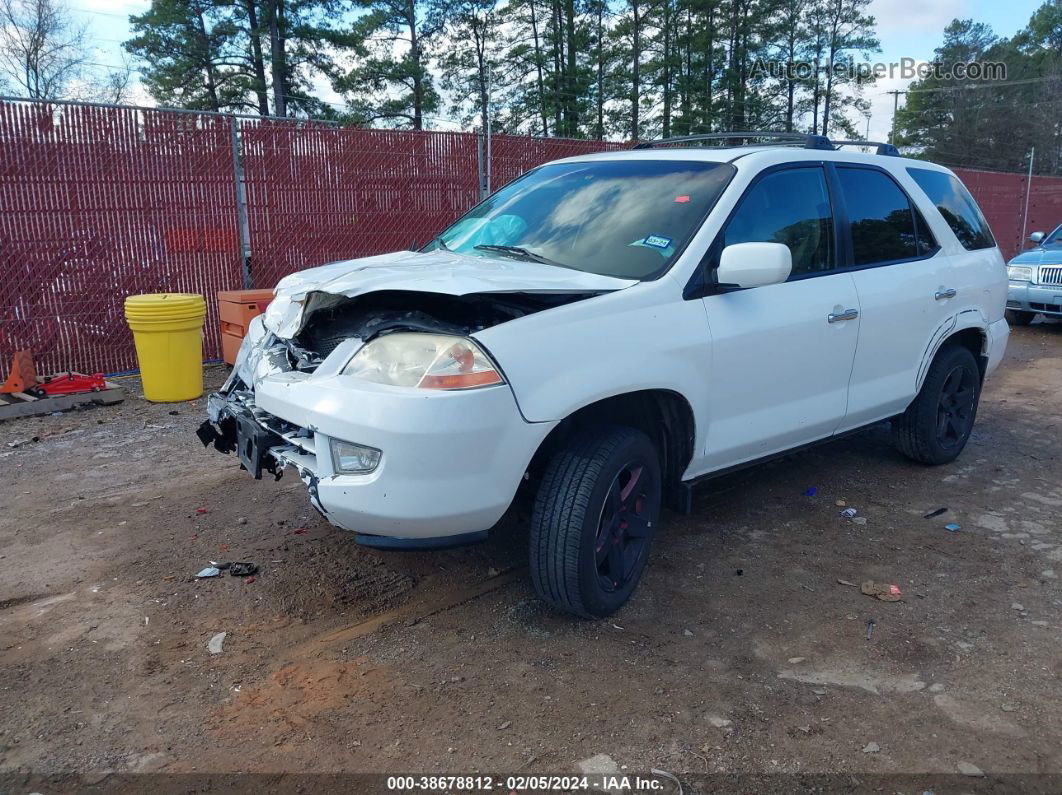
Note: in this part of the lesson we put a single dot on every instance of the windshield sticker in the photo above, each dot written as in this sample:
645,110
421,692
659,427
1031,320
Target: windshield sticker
681,199
657,241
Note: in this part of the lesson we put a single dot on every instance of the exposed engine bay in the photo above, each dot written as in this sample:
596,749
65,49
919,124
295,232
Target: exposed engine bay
329,319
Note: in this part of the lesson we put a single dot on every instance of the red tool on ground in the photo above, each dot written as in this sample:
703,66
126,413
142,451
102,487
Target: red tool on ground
69,384
23,378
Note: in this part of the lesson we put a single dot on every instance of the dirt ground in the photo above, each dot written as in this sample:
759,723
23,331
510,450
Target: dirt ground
745,649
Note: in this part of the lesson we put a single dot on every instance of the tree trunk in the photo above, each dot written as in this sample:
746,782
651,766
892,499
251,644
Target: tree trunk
600,130
416,55
209,78
636,69
790,81
278,64
666,121
538,70
481,63
558,70
709,72
257,59
571,99
828,94
687,75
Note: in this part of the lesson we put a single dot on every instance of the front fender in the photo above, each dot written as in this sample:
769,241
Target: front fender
642,338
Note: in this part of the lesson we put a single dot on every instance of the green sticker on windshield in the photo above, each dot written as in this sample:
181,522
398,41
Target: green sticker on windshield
657,241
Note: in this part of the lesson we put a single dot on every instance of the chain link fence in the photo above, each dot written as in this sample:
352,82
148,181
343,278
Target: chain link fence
98,202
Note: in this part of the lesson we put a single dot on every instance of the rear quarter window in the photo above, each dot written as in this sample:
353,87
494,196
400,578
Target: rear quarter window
957,206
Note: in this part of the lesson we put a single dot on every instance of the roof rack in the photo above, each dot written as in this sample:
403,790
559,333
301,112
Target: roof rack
882,148
807,140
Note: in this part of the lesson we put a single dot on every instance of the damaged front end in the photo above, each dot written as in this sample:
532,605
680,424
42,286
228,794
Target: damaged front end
265,412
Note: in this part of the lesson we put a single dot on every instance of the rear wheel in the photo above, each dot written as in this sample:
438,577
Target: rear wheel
593,520
937,425
1018,317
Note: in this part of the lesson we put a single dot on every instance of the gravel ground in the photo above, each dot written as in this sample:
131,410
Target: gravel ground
745,650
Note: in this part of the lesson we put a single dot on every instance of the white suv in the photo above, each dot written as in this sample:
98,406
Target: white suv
614,328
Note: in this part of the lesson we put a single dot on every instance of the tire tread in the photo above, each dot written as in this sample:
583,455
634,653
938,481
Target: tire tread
559,512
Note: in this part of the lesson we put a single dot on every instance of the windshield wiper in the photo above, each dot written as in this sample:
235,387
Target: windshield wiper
523,253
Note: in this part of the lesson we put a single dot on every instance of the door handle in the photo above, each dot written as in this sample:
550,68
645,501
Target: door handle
837,317
946,293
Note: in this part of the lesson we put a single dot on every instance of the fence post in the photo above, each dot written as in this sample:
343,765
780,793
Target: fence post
479,163
241,207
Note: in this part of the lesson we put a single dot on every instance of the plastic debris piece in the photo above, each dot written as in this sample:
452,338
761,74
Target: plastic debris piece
209,571
299,531
214,644
937,512
871,748
242,569
811,491
846,582
249,580
883,591
952,527
669,776
849,513
201,511
859,520
870,628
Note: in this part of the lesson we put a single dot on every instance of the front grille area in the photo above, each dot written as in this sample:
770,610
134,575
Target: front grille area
1052,277
1046,307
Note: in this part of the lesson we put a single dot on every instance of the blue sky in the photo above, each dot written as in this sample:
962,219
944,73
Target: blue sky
906,28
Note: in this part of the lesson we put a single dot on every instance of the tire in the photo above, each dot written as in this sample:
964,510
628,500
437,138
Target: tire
937,425
1017,317
590,532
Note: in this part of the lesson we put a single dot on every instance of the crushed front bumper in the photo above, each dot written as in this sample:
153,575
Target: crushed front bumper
1027,297
451,461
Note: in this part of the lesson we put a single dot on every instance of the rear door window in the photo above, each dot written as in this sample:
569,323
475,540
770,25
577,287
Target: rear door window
958,207
884,224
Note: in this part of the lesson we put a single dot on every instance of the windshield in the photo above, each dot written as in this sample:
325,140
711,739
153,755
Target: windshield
624,218
1053,241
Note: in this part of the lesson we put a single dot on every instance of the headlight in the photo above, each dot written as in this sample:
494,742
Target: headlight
354,459
427,361
1019,273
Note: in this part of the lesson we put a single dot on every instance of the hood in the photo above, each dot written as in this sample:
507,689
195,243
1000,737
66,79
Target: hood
444,272
1038,256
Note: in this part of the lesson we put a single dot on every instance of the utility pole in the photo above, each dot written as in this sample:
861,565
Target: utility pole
895,107
1028,188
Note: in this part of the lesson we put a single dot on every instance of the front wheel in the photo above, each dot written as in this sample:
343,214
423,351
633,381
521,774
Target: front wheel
937,425
593,520
1018,317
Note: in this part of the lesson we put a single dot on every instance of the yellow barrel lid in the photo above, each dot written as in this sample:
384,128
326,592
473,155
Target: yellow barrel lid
164,306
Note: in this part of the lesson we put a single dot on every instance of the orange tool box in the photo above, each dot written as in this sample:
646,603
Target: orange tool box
236,308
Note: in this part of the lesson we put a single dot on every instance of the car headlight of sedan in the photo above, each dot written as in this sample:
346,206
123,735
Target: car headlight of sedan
425,361
1019,273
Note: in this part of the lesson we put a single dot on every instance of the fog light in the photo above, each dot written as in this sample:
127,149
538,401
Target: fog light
354,459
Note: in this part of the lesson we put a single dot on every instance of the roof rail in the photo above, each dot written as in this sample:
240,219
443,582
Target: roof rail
809,141
882,148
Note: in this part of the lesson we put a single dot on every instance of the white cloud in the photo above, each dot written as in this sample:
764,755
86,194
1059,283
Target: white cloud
906,17
120,7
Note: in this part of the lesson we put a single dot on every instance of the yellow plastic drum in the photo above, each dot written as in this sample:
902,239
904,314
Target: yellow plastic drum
168,331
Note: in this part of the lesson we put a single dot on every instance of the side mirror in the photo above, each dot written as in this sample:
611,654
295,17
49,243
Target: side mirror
1036,237
754,265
